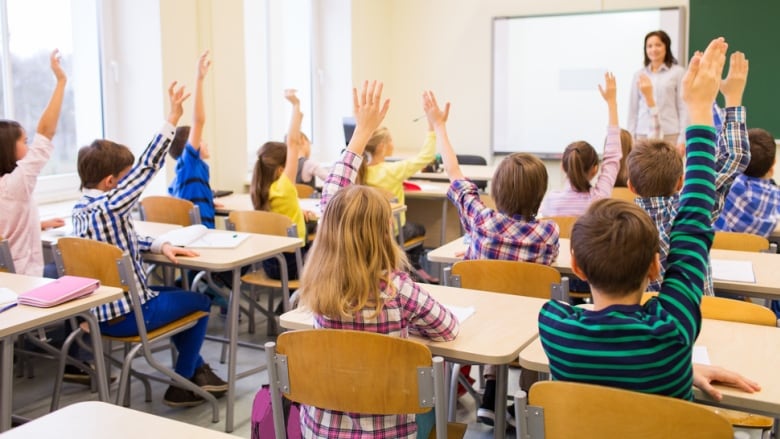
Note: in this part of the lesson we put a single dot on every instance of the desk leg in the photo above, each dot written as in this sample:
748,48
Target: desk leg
444,221
6,381
232,321
97,351
502,379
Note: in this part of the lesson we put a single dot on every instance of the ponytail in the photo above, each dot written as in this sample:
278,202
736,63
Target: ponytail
578,159
270,157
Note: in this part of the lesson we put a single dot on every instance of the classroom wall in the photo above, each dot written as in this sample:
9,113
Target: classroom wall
445,45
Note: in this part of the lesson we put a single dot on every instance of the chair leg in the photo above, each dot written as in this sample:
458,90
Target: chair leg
55,398
453,402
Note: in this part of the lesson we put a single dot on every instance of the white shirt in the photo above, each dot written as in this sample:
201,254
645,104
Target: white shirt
668,99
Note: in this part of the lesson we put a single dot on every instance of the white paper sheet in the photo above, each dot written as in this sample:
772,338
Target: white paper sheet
700,355
737,271
461,312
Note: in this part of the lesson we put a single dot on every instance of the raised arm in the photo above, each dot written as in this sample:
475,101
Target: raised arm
646,89
293,135
438,120
176,96
47,124
612,151
733,142
199,113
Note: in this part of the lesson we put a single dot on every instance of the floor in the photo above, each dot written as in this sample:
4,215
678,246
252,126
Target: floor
32,395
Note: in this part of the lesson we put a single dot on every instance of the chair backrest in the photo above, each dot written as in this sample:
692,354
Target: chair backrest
304,190
170,210
348,371
731,310
88,258
6,260
611,413
623,193
510,277
468,159
746,242
259,221
565,224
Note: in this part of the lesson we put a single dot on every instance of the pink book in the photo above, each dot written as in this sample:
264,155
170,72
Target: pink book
59,291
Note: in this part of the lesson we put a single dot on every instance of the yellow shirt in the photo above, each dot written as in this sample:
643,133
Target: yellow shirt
283,198
391,175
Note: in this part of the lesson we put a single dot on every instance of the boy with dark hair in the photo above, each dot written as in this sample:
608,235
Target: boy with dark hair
192,172
655,169
753,203
621,343
111,187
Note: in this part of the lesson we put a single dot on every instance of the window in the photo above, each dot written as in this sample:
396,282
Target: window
29,31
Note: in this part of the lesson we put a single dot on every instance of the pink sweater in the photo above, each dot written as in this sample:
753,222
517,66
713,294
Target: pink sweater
19,222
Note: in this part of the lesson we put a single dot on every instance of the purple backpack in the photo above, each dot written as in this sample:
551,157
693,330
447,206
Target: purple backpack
263,418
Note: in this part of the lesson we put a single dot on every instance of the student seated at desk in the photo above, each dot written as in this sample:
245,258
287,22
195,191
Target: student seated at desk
355,278
621,343
111,187
509,232
655,168
308,169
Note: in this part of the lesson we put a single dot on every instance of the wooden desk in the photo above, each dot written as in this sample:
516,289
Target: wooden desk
244,202
97,420
472,172
765,267
146,228
751,350
253,249
502,325
22,318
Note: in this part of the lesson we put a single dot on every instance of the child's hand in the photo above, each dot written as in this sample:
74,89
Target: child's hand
646,88
734,85
309,216
289,94
436,117
702,80
177,96
203,65
52,223
368,107
171,252
56,67
609,92
704,376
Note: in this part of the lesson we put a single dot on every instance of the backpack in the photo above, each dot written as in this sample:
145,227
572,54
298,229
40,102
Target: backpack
263,418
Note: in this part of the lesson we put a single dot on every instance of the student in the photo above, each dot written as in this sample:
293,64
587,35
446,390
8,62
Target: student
580,163
511,231
272,187
20,166
655,168
377,172
621,343
308,169
191,181
359,281
753,203
111,187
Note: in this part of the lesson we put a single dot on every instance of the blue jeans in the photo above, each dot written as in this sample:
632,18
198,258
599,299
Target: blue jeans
170,305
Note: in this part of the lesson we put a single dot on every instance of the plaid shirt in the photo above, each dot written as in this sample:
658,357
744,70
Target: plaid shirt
494,235
733,157
105,216
407,310
752,206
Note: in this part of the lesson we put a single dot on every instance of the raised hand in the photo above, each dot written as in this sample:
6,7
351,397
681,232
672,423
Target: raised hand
203,65
646,88
435,115
609,91
176,96
56,67
702,80
734,85
368,107
289,94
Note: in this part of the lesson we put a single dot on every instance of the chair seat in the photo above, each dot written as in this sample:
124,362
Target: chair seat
743,419
261,279
162,330
455,430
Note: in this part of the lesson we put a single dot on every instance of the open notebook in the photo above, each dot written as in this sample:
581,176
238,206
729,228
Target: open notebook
198,236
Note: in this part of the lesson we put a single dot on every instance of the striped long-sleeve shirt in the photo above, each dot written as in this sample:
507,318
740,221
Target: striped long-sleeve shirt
646,348
106,217
410,310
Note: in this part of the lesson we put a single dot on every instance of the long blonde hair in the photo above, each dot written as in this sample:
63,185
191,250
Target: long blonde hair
355,253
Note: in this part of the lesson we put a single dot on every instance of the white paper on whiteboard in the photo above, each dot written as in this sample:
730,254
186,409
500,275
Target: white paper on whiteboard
736,271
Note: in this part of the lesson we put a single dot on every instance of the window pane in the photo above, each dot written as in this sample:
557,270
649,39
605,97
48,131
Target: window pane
33,80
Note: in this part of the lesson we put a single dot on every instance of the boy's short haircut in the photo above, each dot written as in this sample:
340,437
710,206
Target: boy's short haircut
614,243
519,184
101,159
762,152
654,168
179,141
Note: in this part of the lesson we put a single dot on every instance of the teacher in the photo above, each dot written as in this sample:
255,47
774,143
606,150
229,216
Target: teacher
665,74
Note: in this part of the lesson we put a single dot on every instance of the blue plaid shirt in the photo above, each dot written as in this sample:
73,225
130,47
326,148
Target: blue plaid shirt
752,206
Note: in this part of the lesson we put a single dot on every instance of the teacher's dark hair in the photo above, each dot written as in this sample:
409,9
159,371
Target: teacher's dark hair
669,59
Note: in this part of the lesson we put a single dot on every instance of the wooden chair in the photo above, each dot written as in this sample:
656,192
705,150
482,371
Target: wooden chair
107,263
348,371
565,223
623,193
304,190
169,210
746,242
468,159
6,260
611,413
267,223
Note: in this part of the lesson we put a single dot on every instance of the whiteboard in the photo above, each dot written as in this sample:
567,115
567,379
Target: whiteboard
546,72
